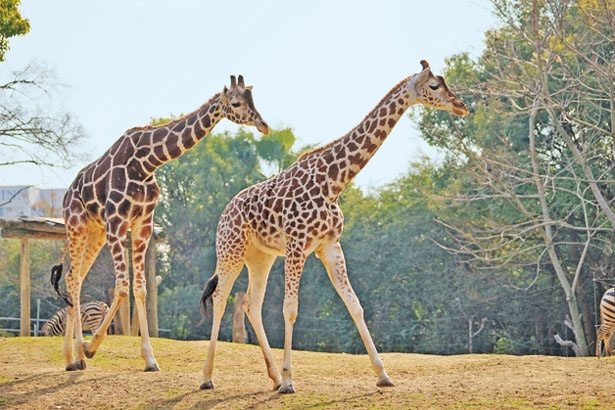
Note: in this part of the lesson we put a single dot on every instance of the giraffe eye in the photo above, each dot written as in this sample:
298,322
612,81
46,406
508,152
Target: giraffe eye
434,87
236,104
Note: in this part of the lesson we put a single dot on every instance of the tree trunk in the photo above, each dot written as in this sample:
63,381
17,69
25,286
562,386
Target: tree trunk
568,289
239,324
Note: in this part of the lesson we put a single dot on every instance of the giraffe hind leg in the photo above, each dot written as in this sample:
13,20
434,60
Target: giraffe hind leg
259,265
219,296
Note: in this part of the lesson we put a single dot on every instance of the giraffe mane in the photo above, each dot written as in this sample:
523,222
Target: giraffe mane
173,121
329,144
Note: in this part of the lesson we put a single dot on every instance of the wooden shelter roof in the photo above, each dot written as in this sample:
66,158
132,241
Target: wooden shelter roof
26,227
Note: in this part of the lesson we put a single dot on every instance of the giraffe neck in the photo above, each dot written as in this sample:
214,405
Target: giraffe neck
159,145
345,157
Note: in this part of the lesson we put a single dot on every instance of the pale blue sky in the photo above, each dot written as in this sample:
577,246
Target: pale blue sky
317,67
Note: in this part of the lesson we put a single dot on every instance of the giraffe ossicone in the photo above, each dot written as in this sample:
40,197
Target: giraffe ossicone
117,193
296,213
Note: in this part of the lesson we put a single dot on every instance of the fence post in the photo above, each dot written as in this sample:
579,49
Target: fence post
38,317
239,325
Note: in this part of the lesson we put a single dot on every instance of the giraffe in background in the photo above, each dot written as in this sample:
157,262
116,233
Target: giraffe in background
296,213
117,193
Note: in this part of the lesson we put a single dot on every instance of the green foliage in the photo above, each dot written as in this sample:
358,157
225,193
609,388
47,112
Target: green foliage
11,24
177,311
276,148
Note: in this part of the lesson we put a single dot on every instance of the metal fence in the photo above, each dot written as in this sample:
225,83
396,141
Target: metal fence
34,330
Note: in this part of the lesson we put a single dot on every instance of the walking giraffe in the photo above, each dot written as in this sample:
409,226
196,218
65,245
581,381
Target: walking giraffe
117,193
296,213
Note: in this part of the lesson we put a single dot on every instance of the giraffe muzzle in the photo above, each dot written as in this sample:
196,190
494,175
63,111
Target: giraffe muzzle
460,109
262,127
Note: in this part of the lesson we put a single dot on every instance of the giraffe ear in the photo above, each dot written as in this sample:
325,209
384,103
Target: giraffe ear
249,87
423,75
225,94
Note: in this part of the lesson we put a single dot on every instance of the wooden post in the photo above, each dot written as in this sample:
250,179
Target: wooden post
239,324
25,288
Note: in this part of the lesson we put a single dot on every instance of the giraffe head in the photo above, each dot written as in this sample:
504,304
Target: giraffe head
432,91
238,105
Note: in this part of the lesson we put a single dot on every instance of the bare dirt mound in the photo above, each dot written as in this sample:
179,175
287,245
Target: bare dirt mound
32,377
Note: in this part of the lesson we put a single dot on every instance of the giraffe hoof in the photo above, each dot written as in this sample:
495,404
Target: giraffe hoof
207,385
86,350
78,365
385,383
286,389
152,368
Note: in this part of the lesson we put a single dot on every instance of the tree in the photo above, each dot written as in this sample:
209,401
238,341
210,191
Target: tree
530,172
31,131
11,24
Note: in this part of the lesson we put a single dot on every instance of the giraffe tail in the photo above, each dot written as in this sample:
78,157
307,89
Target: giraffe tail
56,275
210,287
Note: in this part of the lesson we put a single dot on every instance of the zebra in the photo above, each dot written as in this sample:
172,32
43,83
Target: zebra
607,322
92,314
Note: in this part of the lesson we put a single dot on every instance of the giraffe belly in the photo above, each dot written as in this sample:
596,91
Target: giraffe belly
277,246
271,246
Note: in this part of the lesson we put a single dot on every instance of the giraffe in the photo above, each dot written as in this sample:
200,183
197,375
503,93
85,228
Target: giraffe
296,213
117,193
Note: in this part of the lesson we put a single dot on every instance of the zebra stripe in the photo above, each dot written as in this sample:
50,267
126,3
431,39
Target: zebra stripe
607,322
92,314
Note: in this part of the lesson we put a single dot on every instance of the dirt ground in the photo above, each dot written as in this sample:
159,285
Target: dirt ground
32,377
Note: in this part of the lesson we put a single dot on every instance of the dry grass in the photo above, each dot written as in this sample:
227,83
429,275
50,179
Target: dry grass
32,377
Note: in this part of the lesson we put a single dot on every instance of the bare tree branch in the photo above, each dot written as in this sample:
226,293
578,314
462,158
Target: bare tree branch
8,201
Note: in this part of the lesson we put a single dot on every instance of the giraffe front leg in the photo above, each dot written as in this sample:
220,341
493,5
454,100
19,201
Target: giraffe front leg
293,267
140,292
141,234
290,315
147,352
332,258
